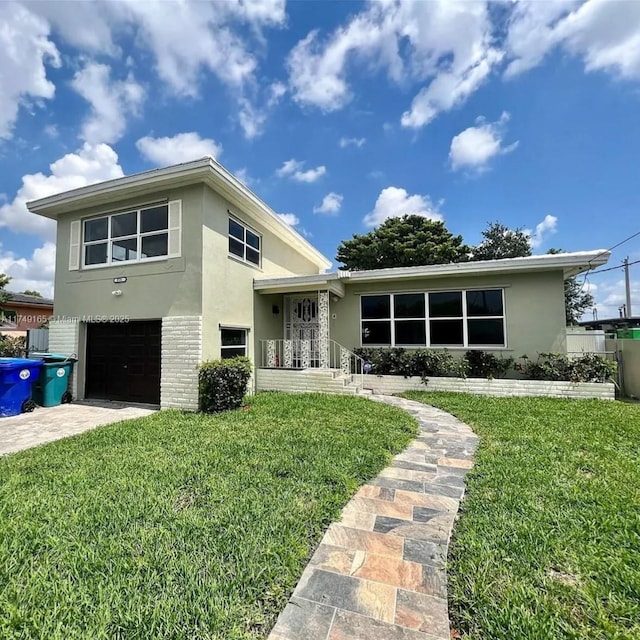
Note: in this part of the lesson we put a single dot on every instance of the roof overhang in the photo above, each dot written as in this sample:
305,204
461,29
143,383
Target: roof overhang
570,264
206,170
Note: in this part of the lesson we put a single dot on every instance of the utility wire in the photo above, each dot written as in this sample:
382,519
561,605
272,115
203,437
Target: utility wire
621,266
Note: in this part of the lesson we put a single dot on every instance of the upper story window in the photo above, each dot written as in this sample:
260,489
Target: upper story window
244,243
133,236
437,319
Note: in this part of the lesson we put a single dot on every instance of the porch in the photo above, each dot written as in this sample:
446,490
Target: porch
294,350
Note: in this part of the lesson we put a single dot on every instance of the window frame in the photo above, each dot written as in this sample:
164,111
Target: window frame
465,317
245,332
110,239
245,244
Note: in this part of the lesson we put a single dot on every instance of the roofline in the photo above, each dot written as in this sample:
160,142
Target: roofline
570,264
206,170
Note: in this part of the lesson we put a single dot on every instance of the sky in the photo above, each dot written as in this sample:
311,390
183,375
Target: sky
337,114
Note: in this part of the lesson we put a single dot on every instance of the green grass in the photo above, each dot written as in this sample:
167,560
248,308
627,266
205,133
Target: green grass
548,543
181,525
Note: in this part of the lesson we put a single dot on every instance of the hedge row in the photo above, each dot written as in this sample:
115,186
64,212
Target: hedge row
481,364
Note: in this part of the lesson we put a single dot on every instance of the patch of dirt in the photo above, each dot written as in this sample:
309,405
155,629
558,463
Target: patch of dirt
567,579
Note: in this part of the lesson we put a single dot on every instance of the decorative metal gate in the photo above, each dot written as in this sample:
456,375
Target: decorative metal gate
302,328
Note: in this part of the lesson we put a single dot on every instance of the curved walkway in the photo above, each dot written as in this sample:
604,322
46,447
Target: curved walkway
380,572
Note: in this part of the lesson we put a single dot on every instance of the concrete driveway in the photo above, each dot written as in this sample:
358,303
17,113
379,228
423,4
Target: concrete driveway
52,423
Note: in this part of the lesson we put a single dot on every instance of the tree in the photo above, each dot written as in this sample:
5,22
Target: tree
408,241
4,281
577,299
30,292
501,242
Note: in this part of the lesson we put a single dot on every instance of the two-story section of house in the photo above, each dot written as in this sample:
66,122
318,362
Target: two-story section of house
155,272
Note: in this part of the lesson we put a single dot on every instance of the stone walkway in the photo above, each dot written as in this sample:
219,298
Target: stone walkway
45,424
379,573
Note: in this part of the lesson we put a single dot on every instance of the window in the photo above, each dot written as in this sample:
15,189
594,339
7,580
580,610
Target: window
234,343
437,319
133,236
244,243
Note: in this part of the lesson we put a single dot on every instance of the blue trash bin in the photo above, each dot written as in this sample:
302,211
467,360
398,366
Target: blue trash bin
16,376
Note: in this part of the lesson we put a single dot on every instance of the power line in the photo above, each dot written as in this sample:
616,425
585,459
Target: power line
621,266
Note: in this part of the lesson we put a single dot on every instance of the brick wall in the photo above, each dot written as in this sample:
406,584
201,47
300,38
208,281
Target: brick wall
307,380
63,338
397,384
181,357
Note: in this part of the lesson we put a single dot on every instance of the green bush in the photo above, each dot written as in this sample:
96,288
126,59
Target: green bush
12,347
419,362
223,383
589,367
481,364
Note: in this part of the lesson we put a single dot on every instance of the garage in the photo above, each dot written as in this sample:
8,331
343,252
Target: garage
123,361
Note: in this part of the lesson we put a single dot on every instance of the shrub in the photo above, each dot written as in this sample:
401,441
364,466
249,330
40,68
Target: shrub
481,364
12,347
420,362
223,383
589,367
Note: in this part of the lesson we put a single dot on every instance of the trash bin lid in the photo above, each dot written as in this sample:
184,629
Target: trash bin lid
16,363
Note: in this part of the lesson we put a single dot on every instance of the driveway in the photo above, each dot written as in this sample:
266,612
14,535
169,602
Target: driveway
52,423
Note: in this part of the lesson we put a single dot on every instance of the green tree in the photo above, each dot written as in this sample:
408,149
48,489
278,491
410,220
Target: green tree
501,242
4,281
577,300
30,292
408,241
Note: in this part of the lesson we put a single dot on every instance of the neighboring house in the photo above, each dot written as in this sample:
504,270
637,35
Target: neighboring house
160,270
21,312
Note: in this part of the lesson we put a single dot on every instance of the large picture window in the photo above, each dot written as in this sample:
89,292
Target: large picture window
436,319
132,236
244,243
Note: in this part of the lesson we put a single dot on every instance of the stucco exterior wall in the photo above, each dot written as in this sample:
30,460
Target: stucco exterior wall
630,362
227,283
534,308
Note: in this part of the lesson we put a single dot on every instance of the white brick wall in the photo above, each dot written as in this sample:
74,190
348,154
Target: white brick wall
304,381
64,338
181,357
397,384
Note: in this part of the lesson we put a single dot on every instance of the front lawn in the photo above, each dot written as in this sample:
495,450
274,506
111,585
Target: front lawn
181,525
548,543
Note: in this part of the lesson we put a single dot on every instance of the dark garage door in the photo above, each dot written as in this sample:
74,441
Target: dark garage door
123,361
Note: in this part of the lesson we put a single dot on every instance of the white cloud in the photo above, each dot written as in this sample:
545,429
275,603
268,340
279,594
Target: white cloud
474,147
276,92
293,169
311,175
446,44
182,147
610,295
90,164
330,205
394,202
25,50
290,218
543,229
35,273
111,102
604,34
356,142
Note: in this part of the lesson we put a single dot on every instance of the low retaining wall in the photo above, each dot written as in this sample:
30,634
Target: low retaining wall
497,387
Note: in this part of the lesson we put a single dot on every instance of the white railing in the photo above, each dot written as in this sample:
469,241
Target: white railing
310,354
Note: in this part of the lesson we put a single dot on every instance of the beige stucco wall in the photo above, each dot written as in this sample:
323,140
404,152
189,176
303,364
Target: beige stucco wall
153,289
630,356
227,283
534,307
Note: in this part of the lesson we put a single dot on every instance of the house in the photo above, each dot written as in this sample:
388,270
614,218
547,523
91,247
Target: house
160,270
21,312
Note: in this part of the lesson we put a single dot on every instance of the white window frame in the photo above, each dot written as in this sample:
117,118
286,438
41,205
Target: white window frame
244,243
109,240
245,331
427,319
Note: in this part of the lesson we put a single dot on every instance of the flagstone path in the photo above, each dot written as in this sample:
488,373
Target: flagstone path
380,573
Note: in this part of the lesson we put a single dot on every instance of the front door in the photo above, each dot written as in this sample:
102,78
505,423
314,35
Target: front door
303,328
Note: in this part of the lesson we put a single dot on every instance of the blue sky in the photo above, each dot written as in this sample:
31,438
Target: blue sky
337,114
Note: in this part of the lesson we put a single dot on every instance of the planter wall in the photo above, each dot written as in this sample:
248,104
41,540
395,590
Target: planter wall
481,386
